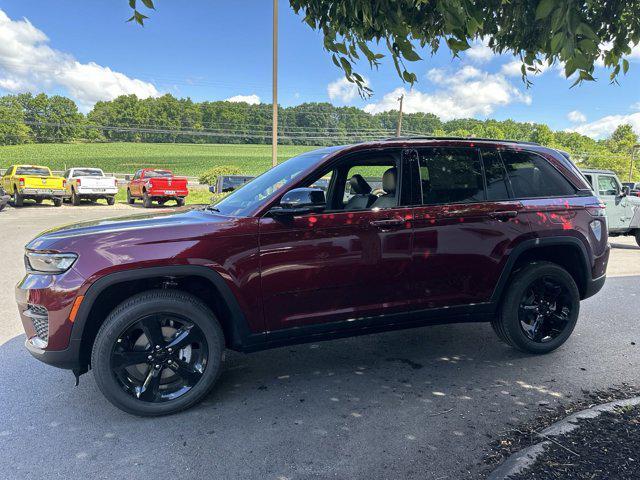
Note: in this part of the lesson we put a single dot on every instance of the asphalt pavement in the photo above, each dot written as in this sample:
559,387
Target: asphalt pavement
414,404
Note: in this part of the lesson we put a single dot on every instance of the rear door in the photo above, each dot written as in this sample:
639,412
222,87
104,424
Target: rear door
464,228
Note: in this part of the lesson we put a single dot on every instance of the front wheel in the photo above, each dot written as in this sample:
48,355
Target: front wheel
540,308
146,200
130,199
157,353
111,200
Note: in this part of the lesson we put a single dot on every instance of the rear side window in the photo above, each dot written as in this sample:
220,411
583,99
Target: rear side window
496,176
450,175
532,176
607,185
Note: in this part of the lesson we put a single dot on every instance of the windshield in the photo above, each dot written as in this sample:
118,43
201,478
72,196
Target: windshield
244,200
157,173
39,171
86,172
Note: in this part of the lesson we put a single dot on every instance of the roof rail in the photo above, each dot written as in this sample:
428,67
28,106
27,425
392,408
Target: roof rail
427,137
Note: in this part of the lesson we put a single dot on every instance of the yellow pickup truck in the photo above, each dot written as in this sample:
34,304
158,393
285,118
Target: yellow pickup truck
34,183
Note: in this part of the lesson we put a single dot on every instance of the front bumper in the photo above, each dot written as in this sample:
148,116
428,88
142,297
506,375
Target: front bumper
52,296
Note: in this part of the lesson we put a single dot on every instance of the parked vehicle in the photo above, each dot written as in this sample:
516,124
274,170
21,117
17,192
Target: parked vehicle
90,184
33,182
623,209
4,199
634,188
160,186
463,231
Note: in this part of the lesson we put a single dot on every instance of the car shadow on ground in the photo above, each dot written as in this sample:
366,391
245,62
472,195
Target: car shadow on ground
624,246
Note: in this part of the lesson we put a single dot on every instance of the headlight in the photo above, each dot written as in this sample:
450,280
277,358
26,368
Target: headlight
49,262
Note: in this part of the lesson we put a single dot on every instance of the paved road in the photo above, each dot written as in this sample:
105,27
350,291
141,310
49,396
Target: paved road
413,404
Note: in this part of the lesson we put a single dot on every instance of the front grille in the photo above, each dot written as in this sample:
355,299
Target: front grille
40,318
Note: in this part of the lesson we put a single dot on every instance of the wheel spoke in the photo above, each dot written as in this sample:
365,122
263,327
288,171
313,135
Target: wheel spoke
149,391
127,358
153,331
184,337
190,373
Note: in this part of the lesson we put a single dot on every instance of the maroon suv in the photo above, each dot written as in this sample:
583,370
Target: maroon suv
336,242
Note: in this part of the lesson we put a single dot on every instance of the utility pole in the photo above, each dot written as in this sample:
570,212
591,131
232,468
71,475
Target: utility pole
274,128
399,128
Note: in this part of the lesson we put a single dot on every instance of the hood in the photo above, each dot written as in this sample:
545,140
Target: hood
156,227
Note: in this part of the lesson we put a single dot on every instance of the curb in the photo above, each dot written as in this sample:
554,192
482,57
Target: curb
519,461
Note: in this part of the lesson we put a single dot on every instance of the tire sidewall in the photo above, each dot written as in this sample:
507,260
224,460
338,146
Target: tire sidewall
130,312
510,309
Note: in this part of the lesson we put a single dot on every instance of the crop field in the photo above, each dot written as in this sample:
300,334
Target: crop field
183,159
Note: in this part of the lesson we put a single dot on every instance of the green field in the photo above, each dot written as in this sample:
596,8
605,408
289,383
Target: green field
183,159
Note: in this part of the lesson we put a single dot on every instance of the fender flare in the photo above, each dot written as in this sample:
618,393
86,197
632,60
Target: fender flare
531,244
241,335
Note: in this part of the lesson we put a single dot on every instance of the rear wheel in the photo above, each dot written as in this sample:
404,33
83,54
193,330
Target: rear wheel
57,202
146,200
157,353
18,201
38,201
638,237
130,199
180,202
75,198
540,308
111,200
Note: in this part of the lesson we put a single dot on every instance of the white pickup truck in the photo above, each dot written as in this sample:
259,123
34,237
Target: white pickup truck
90,184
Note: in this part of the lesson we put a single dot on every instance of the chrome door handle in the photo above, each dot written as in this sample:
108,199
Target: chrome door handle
386,223
504,215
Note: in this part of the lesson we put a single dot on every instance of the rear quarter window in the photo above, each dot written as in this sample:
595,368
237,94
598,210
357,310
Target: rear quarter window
532,176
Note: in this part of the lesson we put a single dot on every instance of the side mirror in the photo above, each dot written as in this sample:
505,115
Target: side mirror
625,191
300,201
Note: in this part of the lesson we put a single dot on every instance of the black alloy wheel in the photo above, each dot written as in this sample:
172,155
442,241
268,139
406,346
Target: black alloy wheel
545,309
159,358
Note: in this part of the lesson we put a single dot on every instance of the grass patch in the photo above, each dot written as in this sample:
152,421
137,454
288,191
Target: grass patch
197,196
183,159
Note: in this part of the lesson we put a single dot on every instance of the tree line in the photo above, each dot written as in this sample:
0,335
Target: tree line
28,118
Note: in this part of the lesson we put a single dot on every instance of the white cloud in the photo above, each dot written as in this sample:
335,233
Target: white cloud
513,69
635,106
342,90
27,62
468,92
250,99
480,51
576,116
605,126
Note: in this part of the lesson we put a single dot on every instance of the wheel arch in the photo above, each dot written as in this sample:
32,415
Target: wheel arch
568,252
204,283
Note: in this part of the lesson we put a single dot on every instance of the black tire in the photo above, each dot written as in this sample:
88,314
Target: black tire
180,202
127,315
18,201
57,201
111,200
146,200
130,199
560,315
638,237
38,201
75,198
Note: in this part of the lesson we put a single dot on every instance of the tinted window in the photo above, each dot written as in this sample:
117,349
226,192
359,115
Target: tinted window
607,185
158,173
496,176
39,171
450,175
532,176
589,179
87,172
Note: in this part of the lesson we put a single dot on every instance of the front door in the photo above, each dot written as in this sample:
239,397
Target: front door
343,265
617,208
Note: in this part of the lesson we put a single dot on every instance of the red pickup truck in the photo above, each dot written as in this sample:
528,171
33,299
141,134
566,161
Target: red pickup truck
151,184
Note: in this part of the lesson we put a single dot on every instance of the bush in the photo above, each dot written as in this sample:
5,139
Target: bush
210,177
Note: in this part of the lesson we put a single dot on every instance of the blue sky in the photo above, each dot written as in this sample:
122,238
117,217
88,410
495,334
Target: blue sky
215,50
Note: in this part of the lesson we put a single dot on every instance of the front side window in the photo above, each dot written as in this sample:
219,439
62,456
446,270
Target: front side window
532,176
450,175
607,185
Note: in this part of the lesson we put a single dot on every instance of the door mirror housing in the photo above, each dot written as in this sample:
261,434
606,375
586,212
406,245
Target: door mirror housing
625,191
300,201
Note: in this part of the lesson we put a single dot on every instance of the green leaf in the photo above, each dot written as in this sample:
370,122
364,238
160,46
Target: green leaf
149,4
545,7
132,4
625,65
